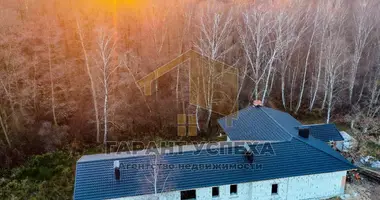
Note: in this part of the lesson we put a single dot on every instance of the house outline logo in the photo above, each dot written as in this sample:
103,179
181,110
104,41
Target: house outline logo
225,74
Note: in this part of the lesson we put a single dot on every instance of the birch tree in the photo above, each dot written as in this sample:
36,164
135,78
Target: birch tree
52,97
253,35
363,26
335,59
292,39
364,117
215,27
158,27
307,60
264,38
373,107
90,76
278,44
106,43
186,20
325,20
157,175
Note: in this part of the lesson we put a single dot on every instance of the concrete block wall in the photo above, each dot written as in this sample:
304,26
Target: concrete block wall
317,186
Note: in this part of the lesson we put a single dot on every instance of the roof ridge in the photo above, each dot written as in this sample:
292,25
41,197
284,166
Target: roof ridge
231,115
313,124
175,150
319,124
278,124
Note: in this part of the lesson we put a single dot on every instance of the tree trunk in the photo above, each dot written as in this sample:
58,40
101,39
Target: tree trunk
305,69
93,91
51,83
5,131
105,111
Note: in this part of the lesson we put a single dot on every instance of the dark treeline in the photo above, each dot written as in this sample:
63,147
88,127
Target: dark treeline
69,69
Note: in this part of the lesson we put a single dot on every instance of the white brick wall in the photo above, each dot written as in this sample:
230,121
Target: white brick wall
318,186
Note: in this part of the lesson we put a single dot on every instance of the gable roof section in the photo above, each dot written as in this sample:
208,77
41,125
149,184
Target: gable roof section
254,123
263,123
285,120
273,118
95,176
325,132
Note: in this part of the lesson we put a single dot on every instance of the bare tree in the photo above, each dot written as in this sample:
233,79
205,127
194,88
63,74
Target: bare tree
373,107
90,76
253,34
292,38
51,79
186,16
277,44
320,55
363,26
325,22
4,127
363,125
156,175
364,117
215,28
3,113
335,60
106,43
309,50
124,60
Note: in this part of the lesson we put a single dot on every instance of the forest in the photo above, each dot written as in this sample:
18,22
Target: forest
69,73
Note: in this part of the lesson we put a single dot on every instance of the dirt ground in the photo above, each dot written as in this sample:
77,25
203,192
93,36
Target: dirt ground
363,190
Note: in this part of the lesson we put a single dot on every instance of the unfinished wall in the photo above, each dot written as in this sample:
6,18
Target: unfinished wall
318,186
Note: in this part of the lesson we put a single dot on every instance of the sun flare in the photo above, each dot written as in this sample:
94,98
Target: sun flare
118,4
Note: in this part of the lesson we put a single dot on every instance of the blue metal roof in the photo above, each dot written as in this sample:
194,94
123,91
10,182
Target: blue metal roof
288,124
95,178
247,119
257,123
293,156
262,123
325,132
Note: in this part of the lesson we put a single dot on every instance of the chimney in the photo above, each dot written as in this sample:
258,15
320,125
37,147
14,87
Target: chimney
304,132
116,166
257,103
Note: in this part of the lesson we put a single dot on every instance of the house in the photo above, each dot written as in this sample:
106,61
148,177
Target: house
270,155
